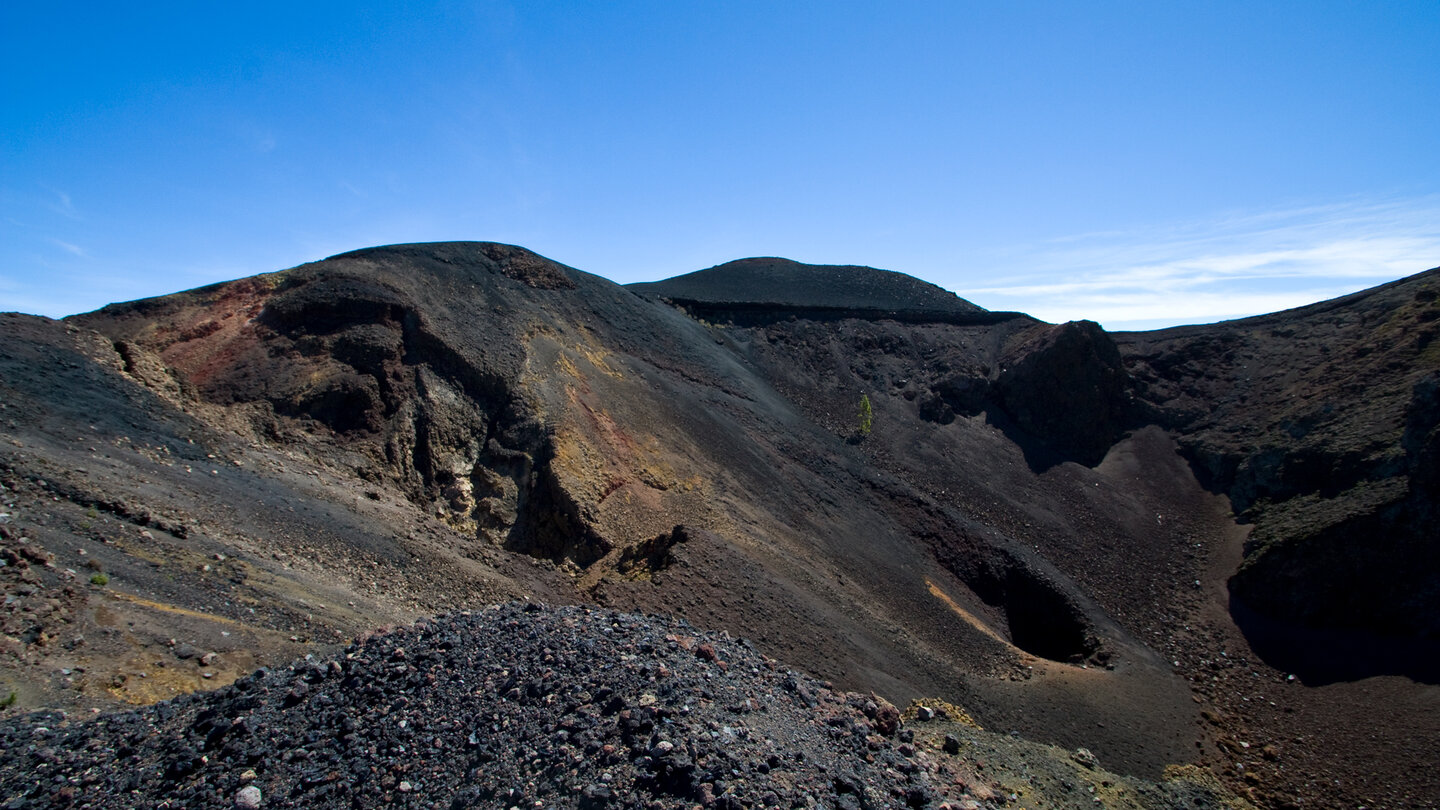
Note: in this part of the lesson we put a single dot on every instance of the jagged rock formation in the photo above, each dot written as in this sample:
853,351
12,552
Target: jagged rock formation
1066,386
1030,529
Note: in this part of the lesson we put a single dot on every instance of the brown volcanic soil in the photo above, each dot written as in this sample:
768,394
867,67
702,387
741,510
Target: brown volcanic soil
399,431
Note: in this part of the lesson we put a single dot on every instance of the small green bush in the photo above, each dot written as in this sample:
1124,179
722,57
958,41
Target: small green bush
99,579
867,416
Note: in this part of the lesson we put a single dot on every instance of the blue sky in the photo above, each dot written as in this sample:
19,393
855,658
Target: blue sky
1136,163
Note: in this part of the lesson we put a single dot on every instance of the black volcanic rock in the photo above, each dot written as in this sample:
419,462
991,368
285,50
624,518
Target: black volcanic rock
519,706
516,705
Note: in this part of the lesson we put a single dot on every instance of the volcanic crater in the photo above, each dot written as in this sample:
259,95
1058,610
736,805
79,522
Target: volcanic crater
1205,548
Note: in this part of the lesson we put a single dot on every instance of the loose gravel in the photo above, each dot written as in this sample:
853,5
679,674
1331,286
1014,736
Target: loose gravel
517,706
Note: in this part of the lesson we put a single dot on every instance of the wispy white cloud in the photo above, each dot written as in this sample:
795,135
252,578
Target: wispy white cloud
74,250
60,203
1225,267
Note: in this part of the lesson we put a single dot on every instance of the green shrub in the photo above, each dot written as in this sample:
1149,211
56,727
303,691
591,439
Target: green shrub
99,579
867,416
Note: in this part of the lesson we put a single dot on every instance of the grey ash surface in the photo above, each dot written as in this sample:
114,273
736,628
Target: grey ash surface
515,706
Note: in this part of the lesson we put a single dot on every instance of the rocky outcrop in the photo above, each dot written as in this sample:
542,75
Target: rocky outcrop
1362,558
356,355
1318,425
1066,386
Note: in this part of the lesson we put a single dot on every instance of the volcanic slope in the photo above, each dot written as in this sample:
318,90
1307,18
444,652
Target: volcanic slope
265,464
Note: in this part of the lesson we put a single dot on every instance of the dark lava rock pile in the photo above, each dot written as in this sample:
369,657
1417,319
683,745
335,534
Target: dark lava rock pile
514,706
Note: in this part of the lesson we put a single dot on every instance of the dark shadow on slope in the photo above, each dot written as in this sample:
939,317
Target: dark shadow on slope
1320,657
549,525
1040,455
1040,617
1044,621
748,314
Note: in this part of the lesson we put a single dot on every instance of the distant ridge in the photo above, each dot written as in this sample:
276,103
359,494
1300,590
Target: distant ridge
762,288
